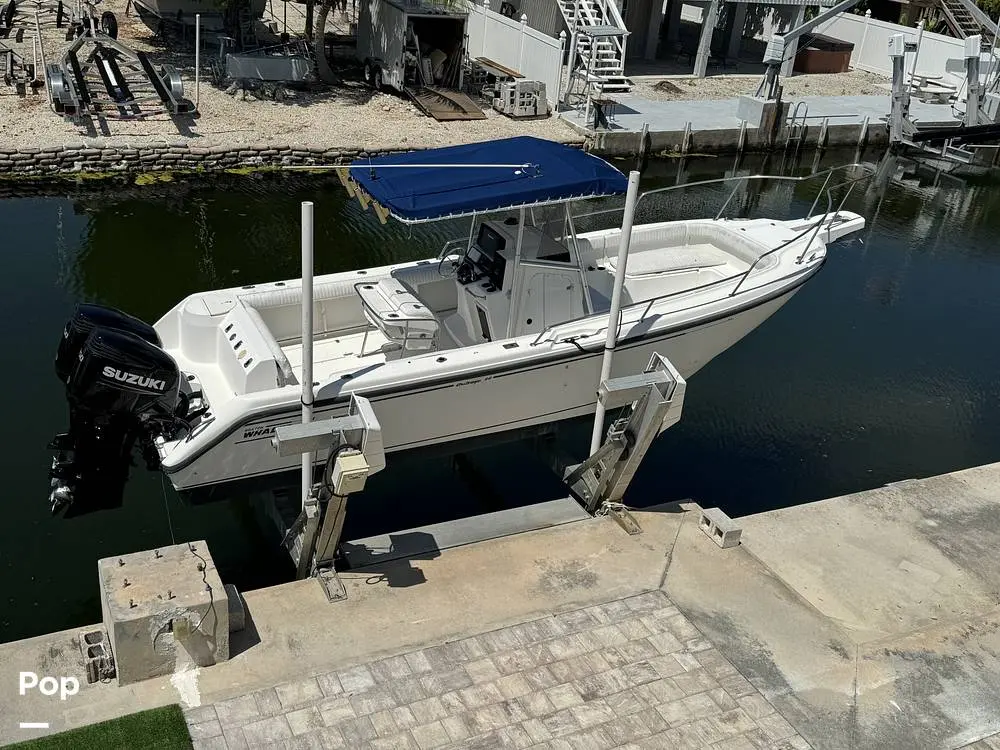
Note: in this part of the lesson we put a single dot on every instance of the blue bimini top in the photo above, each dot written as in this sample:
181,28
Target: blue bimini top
483,177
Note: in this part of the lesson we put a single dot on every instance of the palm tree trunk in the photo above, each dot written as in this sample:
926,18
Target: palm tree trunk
319,45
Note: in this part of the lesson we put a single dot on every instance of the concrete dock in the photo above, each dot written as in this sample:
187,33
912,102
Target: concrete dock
714,126
867,621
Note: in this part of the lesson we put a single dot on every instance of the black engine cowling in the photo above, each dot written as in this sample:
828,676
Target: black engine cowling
121,388
88,317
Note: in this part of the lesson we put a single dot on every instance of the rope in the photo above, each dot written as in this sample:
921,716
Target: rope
166,507
607,506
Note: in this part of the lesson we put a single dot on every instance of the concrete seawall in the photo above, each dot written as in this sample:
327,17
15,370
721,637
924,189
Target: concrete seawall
860,622
180,154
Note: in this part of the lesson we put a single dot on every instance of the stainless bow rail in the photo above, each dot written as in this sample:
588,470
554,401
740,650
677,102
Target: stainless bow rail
826,220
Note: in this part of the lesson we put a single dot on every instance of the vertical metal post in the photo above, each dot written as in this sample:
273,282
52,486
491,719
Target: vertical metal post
973,50
516,295
631,197
520,43
864,37
916,54
559,68
486,21
197,61
307,338
571,58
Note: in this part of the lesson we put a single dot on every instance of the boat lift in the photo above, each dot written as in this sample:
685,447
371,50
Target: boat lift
652,401
958,144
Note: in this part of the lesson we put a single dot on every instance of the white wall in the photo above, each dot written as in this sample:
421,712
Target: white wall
871,50
535,55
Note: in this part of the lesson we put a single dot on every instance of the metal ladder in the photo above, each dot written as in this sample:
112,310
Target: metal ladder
796,130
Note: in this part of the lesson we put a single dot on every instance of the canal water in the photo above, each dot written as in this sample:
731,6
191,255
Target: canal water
884,367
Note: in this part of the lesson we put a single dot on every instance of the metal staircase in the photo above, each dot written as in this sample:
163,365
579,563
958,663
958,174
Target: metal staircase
600,40
965,19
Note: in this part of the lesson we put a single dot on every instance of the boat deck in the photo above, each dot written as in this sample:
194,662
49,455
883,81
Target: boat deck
338,354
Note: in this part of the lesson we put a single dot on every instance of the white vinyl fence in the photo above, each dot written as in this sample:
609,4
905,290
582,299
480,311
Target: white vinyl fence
871,45
515,45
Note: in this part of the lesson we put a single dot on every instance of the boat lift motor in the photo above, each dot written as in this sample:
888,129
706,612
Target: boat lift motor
354,451
776,55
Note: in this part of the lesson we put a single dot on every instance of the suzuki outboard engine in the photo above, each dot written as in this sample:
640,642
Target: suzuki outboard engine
121,388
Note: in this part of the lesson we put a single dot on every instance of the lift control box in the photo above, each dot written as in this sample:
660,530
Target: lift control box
350,470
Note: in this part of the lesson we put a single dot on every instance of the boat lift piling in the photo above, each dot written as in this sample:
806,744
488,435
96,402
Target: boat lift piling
631,197
307,339
354,442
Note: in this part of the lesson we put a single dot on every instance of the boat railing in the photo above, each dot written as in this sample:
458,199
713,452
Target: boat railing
825,220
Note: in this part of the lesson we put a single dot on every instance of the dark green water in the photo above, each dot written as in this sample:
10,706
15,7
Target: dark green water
884,367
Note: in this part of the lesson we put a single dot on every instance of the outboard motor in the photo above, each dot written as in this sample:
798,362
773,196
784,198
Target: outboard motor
121,388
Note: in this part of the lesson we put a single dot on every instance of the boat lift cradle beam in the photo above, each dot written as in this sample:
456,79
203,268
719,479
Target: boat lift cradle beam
356,451
653,401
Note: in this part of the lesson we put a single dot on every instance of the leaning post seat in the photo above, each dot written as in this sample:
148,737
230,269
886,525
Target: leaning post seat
398,314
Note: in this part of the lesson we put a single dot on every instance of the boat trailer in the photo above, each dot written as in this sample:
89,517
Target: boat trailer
98,76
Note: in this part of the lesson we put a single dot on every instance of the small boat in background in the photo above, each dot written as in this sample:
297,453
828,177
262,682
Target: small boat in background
155,13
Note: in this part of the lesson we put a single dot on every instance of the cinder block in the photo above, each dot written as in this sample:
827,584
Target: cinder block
237,611
164,609
97,656
723,530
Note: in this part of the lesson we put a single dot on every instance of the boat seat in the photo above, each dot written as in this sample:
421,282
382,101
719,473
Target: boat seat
398,314
256,361
684,258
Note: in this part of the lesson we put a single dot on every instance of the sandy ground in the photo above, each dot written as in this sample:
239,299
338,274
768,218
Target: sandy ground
347,115
855,82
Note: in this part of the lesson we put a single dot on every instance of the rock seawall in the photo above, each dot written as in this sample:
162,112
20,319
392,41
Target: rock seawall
68,160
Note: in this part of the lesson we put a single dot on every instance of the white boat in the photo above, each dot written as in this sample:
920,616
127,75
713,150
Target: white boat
154,12
503,330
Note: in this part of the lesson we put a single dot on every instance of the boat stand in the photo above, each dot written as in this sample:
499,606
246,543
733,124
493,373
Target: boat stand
355,450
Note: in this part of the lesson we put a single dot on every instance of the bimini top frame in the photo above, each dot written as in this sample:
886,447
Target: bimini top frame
479,178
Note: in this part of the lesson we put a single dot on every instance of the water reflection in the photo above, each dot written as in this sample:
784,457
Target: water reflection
883,367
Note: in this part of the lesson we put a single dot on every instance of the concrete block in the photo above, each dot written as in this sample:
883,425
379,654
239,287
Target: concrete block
164,610
721,528
97,657
237,610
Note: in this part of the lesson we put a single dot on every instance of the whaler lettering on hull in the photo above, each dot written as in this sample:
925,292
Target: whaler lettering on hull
257,432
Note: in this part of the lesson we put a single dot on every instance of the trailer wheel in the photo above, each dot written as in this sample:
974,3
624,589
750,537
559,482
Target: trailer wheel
109,24
373,75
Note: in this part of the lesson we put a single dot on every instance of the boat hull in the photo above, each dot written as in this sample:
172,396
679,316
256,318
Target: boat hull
151,12
525,396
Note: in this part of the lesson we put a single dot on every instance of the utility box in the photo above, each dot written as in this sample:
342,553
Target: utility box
520,98
165,610
411,43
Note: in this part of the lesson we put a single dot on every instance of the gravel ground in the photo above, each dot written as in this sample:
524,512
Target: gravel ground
348,115
855,82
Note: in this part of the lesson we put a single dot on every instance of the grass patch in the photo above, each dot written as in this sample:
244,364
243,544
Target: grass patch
156,729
